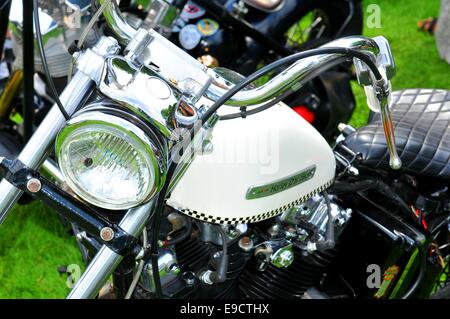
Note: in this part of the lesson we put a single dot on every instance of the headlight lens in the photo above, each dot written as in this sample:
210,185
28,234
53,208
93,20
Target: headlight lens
108,161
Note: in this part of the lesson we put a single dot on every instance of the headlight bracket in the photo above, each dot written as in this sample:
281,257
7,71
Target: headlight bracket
91,220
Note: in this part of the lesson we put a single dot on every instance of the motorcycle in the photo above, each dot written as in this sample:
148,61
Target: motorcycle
181,181
243,35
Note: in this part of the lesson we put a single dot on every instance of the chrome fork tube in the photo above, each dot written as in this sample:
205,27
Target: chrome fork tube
34,152
106,260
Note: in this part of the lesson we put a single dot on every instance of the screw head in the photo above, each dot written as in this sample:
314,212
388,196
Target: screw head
34,185
106,233
246,243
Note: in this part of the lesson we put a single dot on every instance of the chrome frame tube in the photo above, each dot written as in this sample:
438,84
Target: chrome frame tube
51,168
35,151
106,260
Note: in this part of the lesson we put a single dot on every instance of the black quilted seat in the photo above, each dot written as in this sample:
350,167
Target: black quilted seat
422,130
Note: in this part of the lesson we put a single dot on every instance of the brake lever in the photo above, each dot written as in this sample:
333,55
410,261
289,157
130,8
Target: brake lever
382,92
378,94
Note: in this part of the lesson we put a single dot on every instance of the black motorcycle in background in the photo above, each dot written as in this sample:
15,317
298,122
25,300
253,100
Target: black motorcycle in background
244,35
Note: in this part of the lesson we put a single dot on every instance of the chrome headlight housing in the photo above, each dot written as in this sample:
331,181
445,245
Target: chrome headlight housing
110,161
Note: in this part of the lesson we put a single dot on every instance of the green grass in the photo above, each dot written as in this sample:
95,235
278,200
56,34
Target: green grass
33,243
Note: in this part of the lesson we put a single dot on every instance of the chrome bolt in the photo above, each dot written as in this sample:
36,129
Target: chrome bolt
106,234
207,147
286,257
273,231
302,234
233,233
246,243
283,257
34,185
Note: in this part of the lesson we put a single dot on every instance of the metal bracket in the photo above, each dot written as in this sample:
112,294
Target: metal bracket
90,220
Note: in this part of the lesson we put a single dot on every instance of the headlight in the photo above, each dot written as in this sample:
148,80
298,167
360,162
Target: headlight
109,161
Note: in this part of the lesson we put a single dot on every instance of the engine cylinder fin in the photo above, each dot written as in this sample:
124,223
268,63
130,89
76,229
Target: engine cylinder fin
290,282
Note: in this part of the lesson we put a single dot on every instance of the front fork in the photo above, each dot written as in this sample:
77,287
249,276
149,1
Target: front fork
36,150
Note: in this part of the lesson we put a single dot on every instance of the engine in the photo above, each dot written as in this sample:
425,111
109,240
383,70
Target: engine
281,257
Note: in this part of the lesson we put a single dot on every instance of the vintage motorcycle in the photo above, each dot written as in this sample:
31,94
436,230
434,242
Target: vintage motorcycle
175,194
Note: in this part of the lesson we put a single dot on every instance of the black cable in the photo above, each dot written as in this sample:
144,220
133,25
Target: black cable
156,225
28,106
289,59
44,61
258,109
381,187
437,223
351,9
4,20
5,4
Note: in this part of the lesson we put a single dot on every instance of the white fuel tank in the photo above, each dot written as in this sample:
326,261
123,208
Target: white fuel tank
255,168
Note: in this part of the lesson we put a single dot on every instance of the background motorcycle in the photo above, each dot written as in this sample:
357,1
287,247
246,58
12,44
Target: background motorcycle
243,35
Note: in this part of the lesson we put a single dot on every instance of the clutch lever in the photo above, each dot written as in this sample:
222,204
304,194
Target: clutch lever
378,94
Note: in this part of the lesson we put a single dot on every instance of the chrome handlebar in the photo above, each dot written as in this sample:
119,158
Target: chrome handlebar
300,72
296,75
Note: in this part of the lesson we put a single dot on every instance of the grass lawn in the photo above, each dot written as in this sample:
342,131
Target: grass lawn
33,243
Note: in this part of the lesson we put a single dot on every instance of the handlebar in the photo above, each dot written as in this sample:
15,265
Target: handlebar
296,75
300,72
